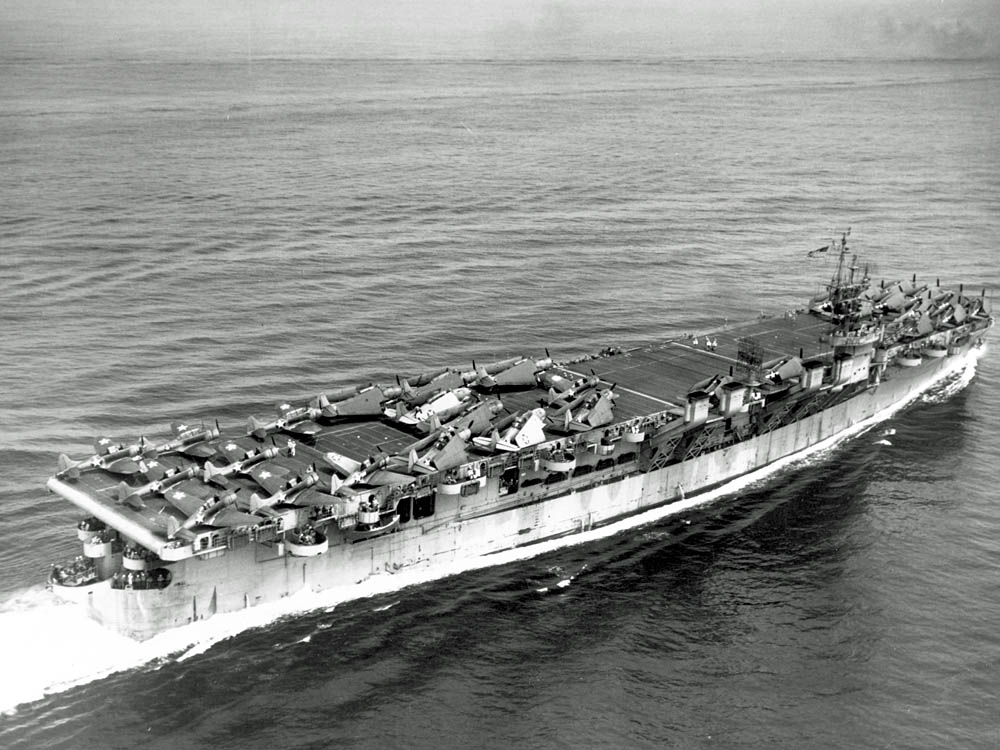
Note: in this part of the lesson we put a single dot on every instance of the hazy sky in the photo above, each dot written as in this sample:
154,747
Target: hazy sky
477,28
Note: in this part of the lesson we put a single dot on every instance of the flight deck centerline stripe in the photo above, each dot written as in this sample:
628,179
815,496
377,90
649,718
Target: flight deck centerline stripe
626,390
644,395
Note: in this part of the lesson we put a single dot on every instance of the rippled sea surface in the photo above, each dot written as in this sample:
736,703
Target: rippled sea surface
198,240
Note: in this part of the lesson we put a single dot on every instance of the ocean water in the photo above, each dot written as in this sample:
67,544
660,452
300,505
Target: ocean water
200,239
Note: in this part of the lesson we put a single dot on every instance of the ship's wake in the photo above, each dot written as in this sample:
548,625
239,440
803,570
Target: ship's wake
58,647
950,385
53,646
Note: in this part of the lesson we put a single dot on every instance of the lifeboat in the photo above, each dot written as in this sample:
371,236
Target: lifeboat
935,352
909,358
306,541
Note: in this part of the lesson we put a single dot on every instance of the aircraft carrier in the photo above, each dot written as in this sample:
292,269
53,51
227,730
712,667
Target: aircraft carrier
460,463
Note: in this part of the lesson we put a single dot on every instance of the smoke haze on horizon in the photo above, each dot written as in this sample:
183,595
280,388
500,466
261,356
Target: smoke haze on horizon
522,28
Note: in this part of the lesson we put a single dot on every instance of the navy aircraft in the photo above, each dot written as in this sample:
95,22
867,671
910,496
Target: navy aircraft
516,372
204,508
442,407
191,441
525,430
109,455
363,402
286,492
428,388
590,410
217,474
559,400
133,495
297,420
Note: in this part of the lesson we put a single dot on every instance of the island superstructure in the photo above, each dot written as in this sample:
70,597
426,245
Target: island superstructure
459,463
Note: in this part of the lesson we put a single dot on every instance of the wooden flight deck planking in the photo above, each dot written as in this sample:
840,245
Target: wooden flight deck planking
646,380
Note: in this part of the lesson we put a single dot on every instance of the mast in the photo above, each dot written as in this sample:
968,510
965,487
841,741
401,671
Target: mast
846,286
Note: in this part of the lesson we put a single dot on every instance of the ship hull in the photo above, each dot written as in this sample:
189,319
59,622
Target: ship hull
489,522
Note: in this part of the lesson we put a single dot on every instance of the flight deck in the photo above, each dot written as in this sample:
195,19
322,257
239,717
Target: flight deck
646,380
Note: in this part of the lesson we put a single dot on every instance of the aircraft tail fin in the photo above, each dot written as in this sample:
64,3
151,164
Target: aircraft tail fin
257,502
215,475
407,388
173,526
68,466
135,502
257,428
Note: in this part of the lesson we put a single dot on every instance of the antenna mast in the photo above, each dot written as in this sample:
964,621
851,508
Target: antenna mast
846,286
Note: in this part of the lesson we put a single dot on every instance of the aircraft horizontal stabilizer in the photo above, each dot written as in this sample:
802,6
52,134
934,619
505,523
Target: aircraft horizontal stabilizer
68,466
